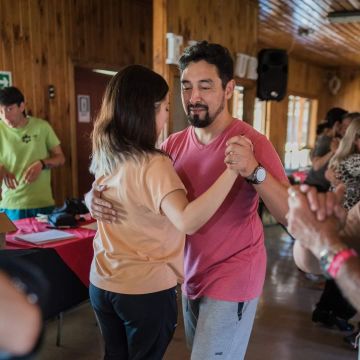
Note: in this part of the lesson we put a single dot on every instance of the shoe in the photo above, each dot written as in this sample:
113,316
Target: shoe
328,319
343,325
323,316
353,339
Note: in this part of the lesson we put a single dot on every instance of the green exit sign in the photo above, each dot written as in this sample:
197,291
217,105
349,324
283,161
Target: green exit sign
5,79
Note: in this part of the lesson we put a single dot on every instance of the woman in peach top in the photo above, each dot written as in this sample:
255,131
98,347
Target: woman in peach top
138,263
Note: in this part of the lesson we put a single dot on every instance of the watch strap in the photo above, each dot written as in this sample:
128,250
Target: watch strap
44,166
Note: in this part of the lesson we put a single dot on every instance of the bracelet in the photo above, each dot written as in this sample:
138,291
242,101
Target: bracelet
327,256
43,164
339,259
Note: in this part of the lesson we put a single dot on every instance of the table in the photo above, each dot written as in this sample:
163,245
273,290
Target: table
65,263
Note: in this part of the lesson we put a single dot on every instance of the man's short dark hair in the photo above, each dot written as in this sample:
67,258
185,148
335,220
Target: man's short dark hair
214,54
321,127
335,114
11,95
351,116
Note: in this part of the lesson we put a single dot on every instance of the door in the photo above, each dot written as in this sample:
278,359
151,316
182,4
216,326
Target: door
89,89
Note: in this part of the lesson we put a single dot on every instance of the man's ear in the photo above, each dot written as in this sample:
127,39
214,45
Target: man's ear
22,106
229,89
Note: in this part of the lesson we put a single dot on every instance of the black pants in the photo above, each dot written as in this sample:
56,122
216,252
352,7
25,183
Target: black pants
332,300
135,327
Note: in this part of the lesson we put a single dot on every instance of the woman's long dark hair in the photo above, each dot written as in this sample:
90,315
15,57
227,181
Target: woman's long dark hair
125,126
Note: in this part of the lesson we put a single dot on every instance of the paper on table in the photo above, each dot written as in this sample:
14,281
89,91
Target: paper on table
50,235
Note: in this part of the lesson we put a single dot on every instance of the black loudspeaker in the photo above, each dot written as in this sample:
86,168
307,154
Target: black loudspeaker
272,74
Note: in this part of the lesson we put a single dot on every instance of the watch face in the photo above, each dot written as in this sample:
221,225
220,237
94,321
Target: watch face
260,174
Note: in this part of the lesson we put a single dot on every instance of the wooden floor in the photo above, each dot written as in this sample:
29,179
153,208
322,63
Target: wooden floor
283,329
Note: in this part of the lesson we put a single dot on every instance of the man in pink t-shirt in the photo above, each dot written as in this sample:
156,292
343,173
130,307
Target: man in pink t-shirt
225,261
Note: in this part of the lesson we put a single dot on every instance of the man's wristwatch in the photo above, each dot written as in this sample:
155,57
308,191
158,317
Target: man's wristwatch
258,175
44,166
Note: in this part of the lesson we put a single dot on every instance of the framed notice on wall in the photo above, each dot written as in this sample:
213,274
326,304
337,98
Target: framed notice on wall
83,104
5,79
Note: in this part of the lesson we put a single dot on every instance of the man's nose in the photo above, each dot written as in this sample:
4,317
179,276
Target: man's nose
195,96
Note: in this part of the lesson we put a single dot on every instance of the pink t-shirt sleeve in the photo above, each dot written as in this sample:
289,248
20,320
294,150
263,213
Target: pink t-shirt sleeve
267,156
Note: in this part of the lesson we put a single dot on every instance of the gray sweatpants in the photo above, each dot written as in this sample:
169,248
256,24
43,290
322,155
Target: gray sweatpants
218,330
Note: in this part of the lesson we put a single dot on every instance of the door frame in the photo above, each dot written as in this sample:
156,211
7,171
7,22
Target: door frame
72,63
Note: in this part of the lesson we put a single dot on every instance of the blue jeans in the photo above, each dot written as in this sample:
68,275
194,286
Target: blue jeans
17,214
135,327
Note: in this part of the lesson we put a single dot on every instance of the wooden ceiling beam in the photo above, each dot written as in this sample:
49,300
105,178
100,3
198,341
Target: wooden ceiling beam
335,44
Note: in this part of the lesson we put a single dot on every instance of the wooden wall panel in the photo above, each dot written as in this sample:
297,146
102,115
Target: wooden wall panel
348,96
305,79
118,32
42,39
230,23
159,37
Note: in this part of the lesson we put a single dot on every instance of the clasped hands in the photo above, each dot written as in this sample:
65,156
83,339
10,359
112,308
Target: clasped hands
313,217
239,155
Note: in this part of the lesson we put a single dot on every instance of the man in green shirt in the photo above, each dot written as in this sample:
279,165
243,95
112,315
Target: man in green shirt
29,147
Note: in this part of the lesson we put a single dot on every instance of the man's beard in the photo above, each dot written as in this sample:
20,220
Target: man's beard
195,120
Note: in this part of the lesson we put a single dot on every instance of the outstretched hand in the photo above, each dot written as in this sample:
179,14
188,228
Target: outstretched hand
101,209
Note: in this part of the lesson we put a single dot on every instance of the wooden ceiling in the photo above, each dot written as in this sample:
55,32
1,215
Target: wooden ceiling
302,28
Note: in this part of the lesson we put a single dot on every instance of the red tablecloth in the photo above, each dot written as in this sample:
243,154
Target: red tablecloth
77,253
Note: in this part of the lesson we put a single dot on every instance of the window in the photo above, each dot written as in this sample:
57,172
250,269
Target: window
238,102
259,115
259,109
301,115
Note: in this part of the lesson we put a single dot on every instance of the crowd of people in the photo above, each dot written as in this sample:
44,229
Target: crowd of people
336,163
206,182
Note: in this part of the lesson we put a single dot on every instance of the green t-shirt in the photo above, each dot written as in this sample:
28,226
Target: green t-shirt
19,148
